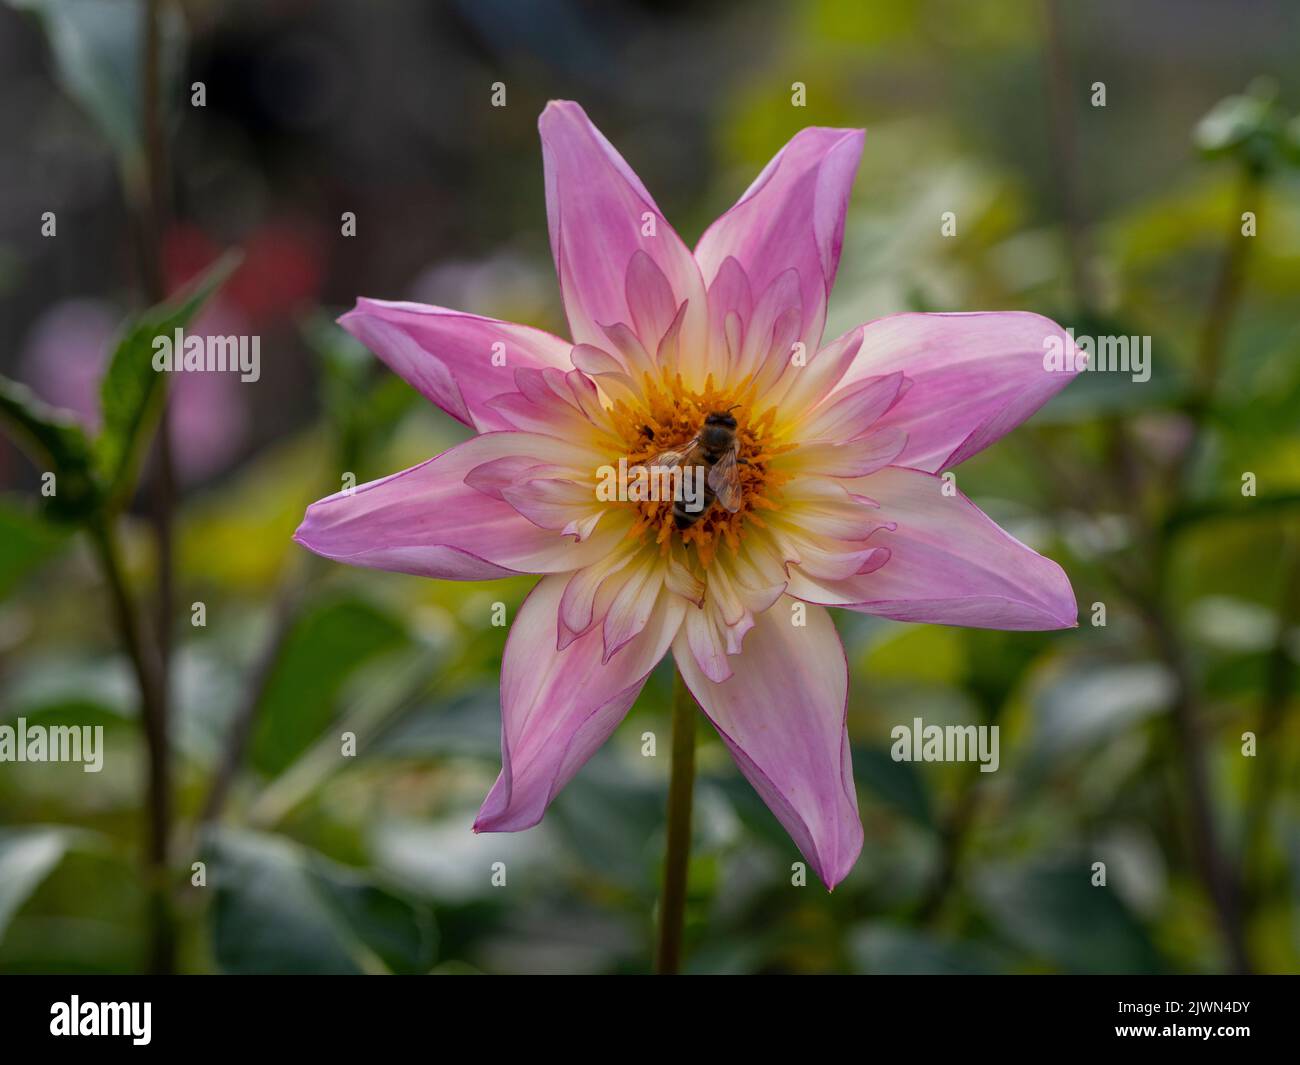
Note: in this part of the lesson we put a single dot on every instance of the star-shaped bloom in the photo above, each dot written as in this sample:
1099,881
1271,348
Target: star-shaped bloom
838,499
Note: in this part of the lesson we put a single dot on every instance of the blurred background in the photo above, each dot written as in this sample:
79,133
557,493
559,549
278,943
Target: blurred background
1122,742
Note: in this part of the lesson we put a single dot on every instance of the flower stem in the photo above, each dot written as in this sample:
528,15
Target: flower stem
672,901
144,660
157,714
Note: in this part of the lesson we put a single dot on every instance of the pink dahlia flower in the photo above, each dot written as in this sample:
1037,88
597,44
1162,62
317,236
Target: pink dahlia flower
840,447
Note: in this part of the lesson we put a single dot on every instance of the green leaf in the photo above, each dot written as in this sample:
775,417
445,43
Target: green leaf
28,542
325,646
132,391
1250,127
57,444
608,817
928,653
27,856
96,48
1053,911
280,908
465,725
1093,701
1291,141
401,934
1229,123
899,784
885,948
267,914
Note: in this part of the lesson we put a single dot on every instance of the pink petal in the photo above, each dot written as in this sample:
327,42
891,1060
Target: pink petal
854,410
856,458
597,210
949,564
493,478
578,604
638,596
729,298
782,715
821,507
781,349
557,503
792,216
610,373
650,299
706,642
974,378
772,328
557,707
427,521
636,360
448,357
803,387
668,353
715,629
552,402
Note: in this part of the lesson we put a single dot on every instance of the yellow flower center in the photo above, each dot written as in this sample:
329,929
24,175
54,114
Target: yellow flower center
668,419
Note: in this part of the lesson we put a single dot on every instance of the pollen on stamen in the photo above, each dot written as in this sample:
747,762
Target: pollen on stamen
668,419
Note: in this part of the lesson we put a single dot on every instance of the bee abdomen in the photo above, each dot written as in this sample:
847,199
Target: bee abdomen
684,518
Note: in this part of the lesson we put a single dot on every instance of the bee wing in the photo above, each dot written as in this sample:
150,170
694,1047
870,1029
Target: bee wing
669,459
724,479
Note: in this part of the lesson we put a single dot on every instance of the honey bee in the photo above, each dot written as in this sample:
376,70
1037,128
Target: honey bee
715,448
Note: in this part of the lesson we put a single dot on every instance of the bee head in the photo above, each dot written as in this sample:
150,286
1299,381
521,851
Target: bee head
721,418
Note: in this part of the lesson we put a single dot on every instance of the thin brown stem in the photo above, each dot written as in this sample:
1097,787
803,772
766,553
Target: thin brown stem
163,505
152,214
681,787
144,661
150,197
